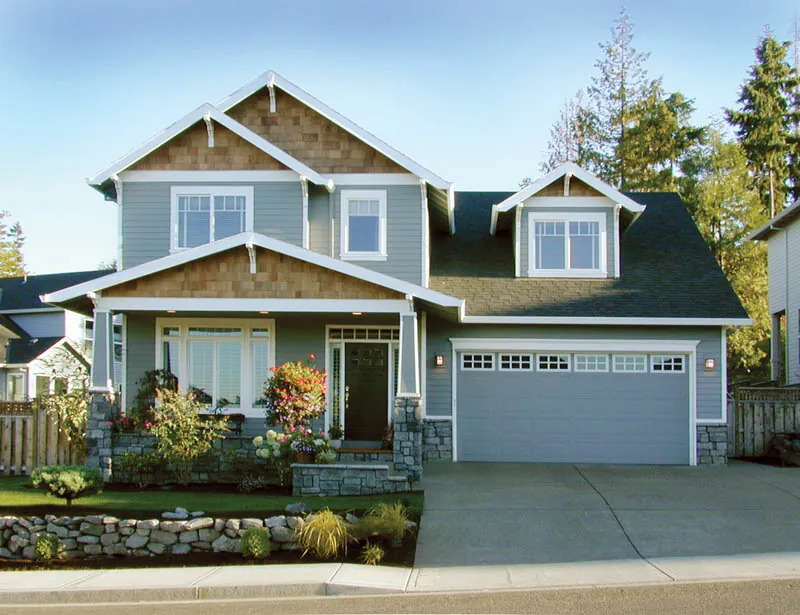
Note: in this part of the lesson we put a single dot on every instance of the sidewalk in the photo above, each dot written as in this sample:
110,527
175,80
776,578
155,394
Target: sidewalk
273,581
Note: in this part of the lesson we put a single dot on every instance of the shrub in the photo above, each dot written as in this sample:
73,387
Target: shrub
149,385
372,555
68,482
140,467
48,547
326,535
256,543
70,411
385,520
181,435
276,449
295,395
327,455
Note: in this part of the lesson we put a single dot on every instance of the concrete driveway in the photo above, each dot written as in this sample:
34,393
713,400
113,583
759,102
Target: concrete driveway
479,513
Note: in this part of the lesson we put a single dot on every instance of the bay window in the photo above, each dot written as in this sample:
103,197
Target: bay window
201,214
224,362
567,244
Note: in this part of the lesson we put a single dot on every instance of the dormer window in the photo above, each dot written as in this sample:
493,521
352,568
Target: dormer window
363,225
201,214
567,244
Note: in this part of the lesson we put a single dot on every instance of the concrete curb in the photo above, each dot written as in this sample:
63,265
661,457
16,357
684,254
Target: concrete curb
304,580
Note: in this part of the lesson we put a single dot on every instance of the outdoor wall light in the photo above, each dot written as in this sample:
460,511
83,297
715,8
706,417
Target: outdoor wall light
264,313
356,313
711,363
438,360
170,311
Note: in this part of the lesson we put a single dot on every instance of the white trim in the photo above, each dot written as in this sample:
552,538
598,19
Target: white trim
32,310
605,320
423,362
565,218
306,229
321,108
211,192
617,255
723,373
463,344
692,359
189,120
454,398
262,241
568,167
571,202
433,418
344,225
375,179
518,244
200,304
426,237
247,390
415,351
124,363
208,176
118,189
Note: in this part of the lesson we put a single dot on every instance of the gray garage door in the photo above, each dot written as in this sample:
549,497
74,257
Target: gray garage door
550,416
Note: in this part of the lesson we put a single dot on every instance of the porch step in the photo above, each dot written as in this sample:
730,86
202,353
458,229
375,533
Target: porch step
364,455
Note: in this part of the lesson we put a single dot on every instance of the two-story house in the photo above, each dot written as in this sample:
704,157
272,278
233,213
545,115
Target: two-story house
51,345
782,235
563,322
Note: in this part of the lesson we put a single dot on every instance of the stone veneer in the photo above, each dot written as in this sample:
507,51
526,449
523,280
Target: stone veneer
98,433
712,444
104,535
437,439
407,425
345,479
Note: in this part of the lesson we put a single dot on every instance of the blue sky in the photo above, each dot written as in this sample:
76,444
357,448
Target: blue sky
467,89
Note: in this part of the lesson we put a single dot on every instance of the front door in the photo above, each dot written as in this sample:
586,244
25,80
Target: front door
366,378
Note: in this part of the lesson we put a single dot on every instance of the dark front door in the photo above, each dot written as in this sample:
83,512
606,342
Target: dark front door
366,377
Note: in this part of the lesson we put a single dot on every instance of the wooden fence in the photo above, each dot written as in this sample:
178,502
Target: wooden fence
30,437
759,414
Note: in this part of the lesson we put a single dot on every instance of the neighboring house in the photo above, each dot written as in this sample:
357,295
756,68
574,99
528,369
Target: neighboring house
51,342
564,322
782,235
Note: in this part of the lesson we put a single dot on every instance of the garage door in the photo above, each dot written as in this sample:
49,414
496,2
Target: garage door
566,407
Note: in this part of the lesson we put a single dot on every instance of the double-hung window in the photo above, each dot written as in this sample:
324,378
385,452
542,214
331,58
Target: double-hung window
363,225
201,214
567,244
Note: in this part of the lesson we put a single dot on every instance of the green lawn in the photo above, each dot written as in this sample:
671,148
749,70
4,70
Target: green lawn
18,499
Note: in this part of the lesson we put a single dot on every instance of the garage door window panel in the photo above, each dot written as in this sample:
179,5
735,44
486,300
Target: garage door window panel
516,362
553,363
591,362
667,364
630,363
477,362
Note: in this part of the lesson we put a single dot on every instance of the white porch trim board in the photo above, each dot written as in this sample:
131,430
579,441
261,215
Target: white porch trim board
190,304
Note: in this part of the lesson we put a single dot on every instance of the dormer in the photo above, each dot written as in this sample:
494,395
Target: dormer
567,224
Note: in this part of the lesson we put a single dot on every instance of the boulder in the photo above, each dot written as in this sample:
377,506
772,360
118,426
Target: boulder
190,536
115,549
126,531
136,541
281,534
108,519
172,526
275,521
127,523
182,549
95,519
157,547
208,535
148,524
109,539
226,545
88,540
297,508
179,514
165,538
21,531
93,529
201,545
29,552
295,523
199,523
93,549
219,524
351,518
232,524
197,513
69,544
141,553
231,533
248,523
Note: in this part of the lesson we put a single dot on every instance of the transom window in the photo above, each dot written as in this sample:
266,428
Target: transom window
513,362
591,362
363,225
201,214
477,361
364,333
664,363
223,363
630,363
568,244
552,362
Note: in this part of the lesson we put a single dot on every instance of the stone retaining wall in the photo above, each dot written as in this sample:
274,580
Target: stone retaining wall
98,535
437,439
712,444
343,455
345,479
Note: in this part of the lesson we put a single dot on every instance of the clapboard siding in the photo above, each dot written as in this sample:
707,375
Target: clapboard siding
319,222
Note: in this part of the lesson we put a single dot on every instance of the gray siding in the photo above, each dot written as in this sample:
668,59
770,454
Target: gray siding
403,228
439,380
277,212
139,352
777,272
793,304
41,324
319,220
525,235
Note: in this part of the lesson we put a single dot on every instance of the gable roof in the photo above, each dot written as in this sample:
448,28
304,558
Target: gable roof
273,79
782,220
668,272
23,351
568,168
12,328
203,112
22,293
255,240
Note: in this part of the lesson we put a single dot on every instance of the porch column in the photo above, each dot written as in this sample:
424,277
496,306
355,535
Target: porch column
102,373
776,358
407,419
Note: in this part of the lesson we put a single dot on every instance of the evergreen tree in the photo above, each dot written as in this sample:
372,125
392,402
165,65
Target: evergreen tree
619,88
11,241
571,136
765,122
726,208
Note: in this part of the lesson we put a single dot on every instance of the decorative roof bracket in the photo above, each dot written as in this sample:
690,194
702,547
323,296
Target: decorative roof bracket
273,108
251,252
567,178
210,128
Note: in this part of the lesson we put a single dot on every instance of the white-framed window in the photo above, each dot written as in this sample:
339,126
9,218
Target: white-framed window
16,387
567,244
363,225
667,363
552,362
477,361
516,362
201,214
222,361
630,363
88,340
591,362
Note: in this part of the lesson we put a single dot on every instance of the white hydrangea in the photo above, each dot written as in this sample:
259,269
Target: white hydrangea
258,441
272,434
